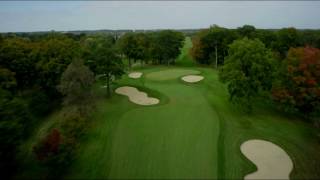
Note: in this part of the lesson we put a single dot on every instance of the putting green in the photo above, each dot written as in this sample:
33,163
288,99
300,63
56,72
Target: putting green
170,74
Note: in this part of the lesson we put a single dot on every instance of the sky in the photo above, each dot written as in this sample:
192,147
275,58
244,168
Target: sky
27,16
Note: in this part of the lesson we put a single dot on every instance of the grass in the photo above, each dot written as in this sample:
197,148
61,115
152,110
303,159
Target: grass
195,132
169,74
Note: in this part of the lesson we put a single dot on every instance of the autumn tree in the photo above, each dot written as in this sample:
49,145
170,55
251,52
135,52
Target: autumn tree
298,87
247,71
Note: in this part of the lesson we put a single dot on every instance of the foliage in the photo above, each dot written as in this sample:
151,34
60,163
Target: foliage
299,81
73,123
56,53
247,70
54,152
129,47
76,83
108,63
212,44
7,79
48,146
247,31
165,46
286,38
15,121
16,55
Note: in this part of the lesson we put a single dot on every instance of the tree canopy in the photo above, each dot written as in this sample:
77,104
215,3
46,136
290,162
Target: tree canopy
298,86
247,70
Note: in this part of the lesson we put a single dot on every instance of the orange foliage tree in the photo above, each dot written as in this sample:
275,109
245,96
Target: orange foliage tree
299,83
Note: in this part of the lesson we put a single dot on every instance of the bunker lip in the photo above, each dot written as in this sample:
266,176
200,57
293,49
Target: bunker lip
135,75
272,161
136,96
192,78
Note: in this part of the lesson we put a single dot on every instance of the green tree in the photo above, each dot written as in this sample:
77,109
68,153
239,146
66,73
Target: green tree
143,47
286,38
56,52
15,120
15,55
248,70
211,46
128,46
166,45
7,79
109,64
248,31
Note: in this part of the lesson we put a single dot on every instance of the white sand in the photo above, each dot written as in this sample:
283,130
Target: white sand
272,161
192,78
135,75
137,96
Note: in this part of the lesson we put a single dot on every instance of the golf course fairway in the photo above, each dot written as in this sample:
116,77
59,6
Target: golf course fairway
194,132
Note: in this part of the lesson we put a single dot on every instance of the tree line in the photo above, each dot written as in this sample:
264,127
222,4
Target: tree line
45,72
279,65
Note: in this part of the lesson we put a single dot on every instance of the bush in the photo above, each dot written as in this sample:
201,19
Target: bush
54,152
73,124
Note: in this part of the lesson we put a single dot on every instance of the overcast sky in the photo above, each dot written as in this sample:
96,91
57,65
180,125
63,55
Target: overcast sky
85,15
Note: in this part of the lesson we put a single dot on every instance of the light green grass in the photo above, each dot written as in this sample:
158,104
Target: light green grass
168,74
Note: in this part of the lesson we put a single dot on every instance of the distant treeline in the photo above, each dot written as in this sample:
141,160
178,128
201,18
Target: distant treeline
212,43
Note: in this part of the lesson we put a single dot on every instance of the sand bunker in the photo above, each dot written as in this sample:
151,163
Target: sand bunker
137,96
135,75
192,78
272,161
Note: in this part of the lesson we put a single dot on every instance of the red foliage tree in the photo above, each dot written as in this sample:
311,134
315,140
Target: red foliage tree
299,87
48,146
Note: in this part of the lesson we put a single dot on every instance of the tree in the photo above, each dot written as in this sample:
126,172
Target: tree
15,55
247,31
286,38
55,152
56,52
108,63
75,84
15,120
7,79
266,36
166,45
128,46
247,70
298,87
48,146
211,46
143,47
